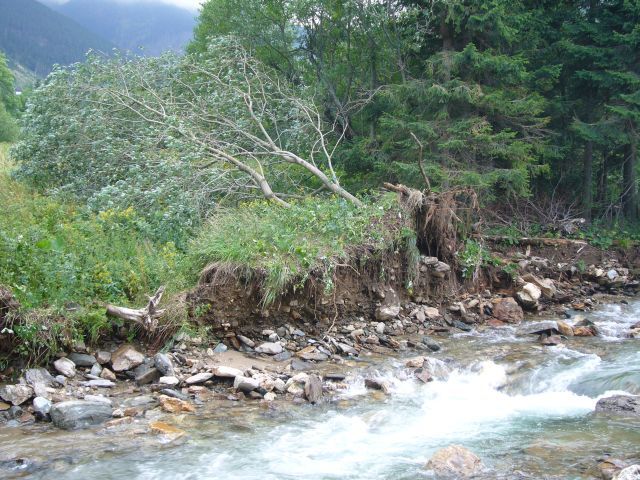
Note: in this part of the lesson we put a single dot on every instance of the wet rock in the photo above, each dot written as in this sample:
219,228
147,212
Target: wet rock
82,359
96,370
528,296
98,398
334,377
415,362
175,405
585,331
41,407
312,353
620,405
170,381
38,376
4,406
16,394
100,383
103,357
300,365
198,378
269,396
223,371
423,375
387,312
430,343
169,392
163,364
507,310
550,340
377,384
628,473
76,414
125,358
147,375
246,341
220,348
282,356
548,327
141,401
168,432
313,389
454,461
270,348
346,349
246,384
65,366
564,328
461,326
108,374
610,467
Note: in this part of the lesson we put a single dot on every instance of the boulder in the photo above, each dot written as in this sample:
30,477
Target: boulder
169,433
528,296
82,359
125,358
507,310
76,414
223,371
564,328
387,312
430,343
170,381
313,389
454,461
175,405
415,362
147,375
546,285
103,357
16,394
610,467
270,348
108,374
544,327
198,378
163,364
377,384
246,341
629,473
65,366
246,384
628,405
550,340
41,406
38,376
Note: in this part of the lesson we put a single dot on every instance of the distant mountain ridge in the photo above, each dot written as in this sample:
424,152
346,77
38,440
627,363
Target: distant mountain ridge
35,37
147,28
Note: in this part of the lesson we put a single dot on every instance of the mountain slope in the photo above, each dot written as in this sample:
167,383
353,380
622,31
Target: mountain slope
154,27
35,37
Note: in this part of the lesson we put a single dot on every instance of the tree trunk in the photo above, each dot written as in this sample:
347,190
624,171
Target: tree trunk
447,47
629,188
603,174
587,168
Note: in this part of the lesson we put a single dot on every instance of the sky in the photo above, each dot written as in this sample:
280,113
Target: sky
187,4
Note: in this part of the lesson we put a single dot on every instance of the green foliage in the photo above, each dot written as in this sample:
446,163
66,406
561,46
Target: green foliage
286,244
473,257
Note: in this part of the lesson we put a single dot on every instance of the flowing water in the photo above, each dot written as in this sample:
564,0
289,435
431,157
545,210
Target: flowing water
526,410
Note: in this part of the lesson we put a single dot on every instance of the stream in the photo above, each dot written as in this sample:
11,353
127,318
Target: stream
524,409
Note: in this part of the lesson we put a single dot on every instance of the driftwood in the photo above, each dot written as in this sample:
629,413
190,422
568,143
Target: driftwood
146,317
533,241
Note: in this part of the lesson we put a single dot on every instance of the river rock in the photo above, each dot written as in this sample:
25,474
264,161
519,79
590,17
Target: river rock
100,383
82,359
125,358
16,394
313,389
507,310
550,340
415,362
170,381
108,374
175,405
38,376
564,328
377,384
547,327
141,401
76,414
245,384
98,398
270,348
430,343
41,406
223,371
610,467
387,312
65,366
620,404
546,285
168,432
585,331
629,473
103,357
282,356
246,341
454,461
198,378
164,364
96,370
147,375
528,296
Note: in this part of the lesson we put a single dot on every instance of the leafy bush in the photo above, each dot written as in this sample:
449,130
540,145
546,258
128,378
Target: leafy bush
289,243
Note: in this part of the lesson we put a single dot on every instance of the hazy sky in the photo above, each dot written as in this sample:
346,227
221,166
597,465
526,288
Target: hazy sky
188,4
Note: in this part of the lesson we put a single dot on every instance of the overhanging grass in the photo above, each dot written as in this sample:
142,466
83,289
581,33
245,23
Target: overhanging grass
286,244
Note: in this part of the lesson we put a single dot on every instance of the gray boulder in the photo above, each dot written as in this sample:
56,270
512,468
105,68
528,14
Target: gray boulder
454,461
16,394
270,348
620,405
76,414
125,358
630,473
82,359
65,366
164,364
41,406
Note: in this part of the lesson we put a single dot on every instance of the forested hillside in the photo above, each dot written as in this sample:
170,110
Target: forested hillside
35,37
152,27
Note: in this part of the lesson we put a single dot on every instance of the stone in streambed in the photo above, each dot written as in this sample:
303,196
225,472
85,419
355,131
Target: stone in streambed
16,394
103,357
223,371
168,432
163,363
100,383
65,366
377,384
430,343
41,407
455,461
550,340
198,378
76,414
507,310
528,296
125,358
564,328
245,384
313,389
170,381
145,374
82,359
628,473
175,405
108,374
270,348
628,405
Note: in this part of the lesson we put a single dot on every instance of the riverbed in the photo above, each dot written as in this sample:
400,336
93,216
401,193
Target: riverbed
524,409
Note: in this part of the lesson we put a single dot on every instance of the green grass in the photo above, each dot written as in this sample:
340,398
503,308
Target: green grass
284,245
55,255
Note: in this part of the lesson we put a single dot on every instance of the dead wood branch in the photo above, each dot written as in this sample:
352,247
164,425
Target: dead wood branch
533,241
146,317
